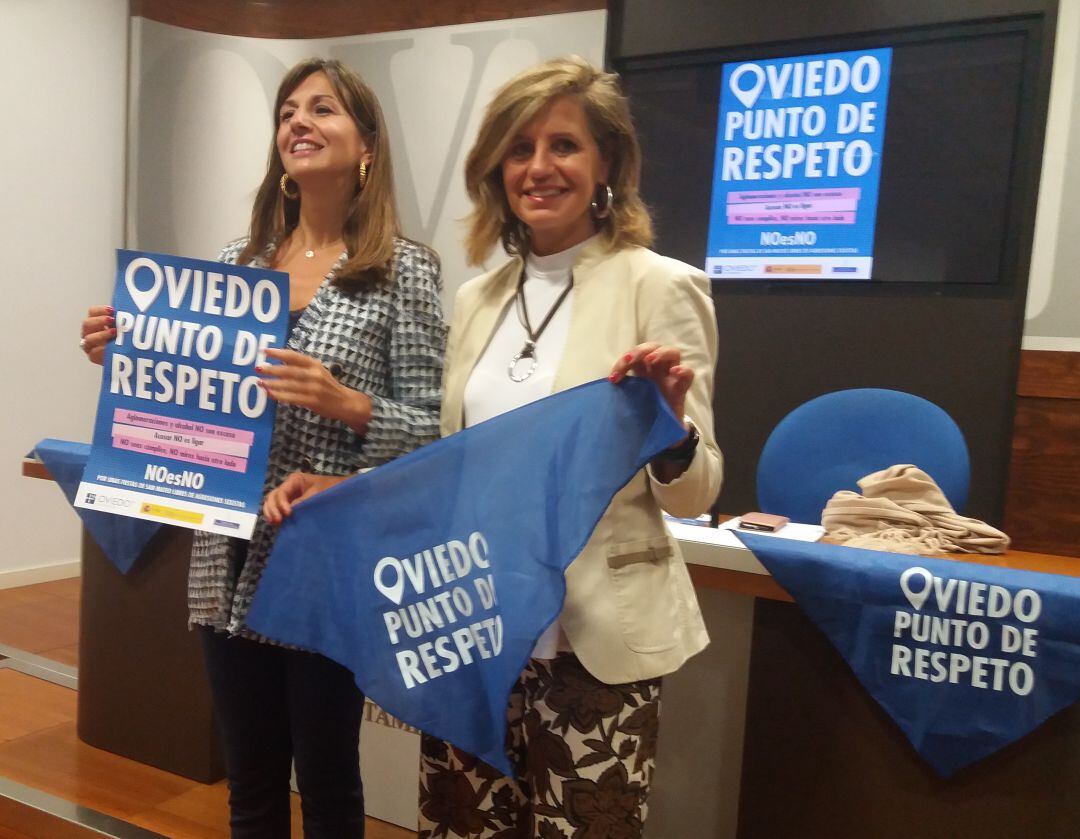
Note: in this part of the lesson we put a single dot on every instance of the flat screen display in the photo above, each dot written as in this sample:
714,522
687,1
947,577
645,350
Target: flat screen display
933,205
797,166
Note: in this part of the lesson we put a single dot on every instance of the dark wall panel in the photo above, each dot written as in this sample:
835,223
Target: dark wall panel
778,351
646,27
1043,508
782,344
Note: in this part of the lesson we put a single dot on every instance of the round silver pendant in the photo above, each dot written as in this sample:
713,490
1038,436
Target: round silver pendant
526,354
309,254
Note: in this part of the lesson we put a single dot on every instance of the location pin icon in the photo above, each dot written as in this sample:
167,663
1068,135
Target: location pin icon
747,97
916,598
143,298
394,591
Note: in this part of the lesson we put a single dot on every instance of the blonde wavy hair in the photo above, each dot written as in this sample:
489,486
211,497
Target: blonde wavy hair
517,103
371,221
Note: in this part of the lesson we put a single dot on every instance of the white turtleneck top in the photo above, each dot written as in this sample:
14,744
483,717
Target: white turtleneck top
490,391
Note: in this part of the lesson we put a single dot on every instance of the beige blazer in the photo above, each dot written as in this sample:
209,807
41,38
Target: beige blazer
630,611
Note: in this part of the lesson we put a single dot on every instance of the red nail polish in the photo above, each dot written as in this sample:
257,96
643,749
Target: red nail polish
110,310
628,357
614,377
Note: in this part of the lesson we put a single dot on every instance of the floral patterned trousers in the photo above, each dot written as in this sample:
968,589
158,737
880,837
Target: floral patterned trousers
584,752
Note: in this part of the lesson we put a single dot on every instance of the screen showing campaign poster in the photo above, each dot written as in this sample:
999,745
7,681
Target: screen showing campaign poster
797,168
182,434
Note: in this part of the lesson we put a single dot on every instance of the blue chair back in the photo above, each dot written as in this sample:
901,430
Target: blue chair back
828,443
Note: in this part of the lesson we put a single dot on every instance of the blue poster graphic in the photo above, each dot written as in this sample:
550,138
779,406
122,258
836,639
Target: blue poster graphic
965,658
798,164
182,433
432,577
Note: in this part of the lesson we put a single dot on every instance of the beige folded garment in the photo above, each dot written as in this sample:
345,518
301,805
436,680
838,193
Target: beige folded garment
903,510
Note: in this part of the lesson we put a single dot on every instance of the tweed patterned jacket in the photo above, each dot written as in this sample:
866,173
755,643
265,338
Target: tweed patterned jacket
386,340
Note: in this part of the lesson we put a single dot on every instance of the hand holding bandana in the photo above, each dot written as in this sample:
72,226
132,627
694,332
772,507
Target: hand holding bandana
432,577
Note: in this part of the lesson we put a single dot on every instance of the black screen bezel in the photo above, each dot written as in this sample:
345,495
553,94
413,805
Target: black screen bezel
1023,171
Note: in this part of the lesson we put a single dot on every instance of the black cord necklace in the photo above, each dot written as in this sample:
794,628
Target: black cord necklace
529,350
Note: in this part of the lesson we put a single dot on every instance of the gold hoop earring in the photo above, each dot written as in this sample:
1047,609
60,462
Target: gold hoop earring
361,175
284,183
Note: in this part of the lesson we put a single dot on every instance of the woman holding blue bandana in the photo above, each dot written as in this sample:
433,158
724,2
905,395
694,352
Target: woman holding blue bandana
554,178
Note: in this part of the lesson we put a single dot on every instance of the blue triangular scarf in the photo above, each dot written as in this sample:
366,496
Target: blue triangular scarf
896,620
496,511
120,538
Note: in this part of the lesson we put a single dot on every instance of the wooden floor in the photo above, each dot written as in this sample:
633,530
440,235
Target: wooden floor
42,619
39,747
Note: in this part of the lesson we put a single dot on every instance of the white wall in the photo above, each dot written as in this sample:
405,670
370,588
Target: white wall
201,124
1053,303
196,135
63,79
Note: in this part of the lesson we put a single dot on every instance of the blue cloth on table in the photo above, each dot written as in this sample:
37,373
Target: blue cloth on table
121,538
965,658
432,577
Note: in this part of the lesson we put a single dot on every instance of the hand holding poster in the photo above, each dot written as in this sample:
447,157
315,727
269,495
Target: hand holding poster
798,161
183,429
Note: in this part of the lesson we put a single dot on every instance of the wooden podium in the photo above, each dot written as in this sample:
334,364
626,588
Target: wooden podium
143,692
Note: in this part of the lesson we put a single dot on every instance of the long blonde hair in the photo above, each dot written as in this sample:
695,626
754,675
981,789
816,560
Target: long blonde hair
371,221
515,105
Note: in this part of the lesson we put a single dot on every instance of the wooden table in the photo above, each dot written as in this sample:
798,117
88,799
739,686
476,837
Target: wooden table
822,759
143,692
763,585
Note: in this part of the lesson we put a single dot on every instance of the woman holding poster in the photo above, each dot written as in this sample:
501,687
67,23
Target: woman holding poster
357,385
554,177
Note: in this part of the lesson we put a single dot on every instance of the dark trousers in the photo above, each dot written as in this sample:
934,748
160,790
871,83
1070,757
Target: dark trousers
275,705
